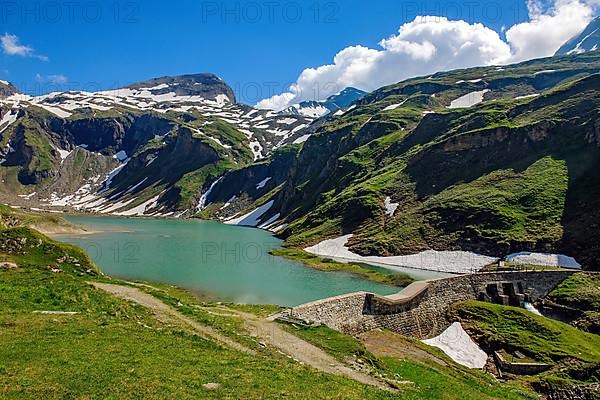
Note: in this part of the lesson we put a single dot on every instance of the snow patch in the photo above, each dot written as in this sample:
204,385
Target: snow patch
390,208
454,262
301,139
263,183
547,260
141,209
204,198
529,96
253,217
121,156
469,99
458,345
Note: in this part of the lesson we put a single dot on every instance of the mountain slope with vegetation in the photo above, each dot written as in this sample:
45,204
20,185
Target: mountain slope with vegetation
494,160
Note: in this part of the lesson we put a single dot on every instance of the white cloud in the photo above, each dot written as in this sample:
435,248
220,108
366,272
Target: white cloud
431,44
11,46
545,33
57,79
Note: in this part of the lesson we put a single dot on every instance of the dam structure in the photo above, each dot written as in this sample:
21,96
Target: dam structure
420,310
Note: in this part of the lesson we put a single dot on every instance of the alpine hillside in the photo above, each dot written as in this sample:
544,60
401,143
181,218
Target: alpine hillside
493,160
147,148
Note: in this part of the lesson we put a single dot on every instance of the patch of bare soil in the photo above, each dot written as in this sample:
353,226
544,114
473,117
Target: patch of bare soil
389,344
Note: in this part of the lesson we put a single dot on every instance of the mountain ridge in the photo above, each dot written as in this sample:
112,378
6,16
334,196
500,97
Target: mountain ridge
588,40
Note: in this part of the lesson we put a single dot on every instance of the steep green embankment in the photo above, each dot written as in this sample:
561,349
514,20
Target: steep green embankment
573,354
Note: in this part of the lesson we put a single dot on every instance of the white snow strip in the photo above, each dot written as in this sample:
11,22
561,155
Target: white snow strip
132,189
302,139
263,183
469,99
253,217
392,107
454,262
279,228
390,208
141,209
204,198
228,203
55,110
547,260
8,119
111,176
116,206
458,345
63,154
271,221
529,96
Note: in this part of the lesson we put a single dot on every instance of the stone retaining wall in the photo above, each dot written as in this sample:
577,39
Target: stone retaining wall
424,315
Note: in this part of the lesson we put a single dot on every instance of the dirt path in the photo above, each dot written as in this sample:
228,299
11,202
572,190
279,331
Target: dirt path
168,314
273,334
268,332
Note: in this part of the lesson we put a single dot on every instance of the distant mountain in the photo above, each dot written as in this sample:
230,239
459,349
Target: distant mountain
7,89
316,109
208,86
148,148
588,40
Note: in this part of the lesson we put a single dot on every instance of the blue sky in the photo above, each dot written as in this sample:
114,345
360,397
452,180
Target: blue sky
151,38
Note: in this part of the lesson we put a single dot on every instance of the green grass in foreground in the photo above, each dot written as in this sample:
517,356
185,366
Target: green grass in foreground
421,380
363,270
115,349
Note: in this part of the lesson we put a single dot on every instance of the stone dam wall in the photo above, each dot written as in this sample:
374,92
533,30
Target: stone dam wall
420,310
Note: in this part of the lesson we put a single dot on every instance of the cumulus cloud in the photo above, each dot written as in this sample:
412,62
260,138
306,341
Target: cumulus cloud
431,44
545,33
11,46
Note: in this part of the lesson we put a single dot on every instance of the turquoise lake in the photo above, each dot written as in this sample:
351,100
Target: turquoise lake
229,263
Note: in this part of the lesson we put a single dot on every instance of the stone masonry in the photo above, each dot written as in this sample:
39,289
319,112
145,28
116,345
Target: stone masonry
420,310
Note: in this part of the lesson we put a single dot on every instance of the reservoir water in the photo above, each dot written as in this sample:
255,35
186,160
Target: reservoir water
228,262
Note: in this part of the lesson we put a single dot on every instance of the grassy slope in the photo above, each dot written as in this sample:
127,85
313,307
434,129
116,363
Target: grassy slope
576,353
430,380
455,176
581,291
116,349
363,270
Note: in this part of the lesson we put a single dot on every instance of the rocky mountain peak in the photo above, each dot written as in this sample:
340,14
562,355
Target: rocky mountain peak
333,103
588,40
204,85
7,89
